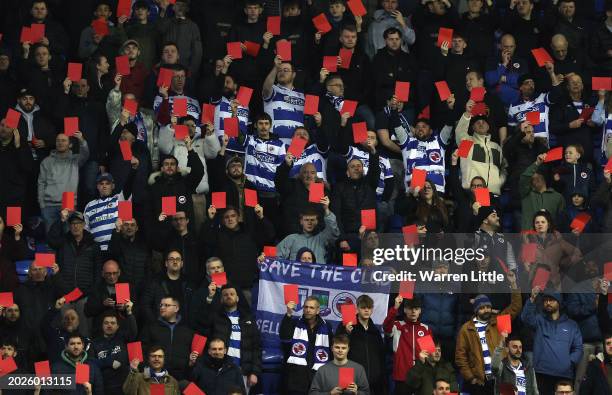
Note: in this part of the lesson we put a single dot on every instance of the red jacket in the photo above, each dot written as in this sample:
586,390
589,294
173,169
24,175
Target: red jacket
405,347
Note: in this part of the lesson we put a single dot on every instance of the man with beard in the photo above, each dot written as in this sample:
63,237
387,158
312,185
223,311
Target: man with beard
557,343
477,338
74,353
35,126
13,328
163,104
215,373
513,370
488,237
423,377
596,380
134,82
154,373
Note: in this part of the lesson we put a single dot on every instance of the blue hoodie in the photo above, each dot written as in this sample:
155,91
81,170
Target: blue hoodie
557,345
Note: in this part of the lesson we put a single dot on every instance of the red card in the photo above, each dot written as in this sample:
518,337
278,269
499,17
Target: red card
445,34
418,178
82,373
13,216
356,7
360,132
502,265
541,278
250,197
554,154
477,94
349,259
349,106
608,166
26,35
283,49
601,83
273,25
131,106
68,200
75,71
164,78
234,49
528,252
330,63
157,389
11,120
44,259
586,113
134,350
443,90
252,49
219,200
230,127
169,205
198,343
7,366
124,8
483,196
71,125
193,389
506,389
541,56
42,368
73,295
219,278
126,149
345,58
533,117
348,311
37,32
464,148
100,27
244,96
406,289
346,376
297,146
122,64
411,237
316,192
426,343
124,209
368,219
402,90
6,299
269,251
208,113
180,132
321,23
504,323
291,293
580,221
122,293
608,271
311,107
179,106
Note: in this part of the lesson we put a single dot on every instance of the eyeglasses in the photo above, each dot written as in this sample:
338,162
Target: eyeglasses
171,259
165,305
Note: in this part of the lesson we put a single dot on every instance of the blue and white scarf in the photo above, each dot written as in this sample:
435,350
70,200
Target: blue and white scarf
521,380
481,327
337,101
299,346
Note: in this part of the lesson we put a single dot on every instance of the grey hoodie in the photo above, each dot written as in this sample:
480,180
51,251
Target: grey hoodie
381,21
59,172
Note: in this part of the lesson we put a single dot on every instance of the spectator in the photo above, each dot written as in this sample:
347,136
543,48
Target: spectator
215,373
466,210
595,381
569,59
55,35
163,104
503,72
144,33
425,208
9,350
600,48
16,160
427,370
183,31
134,82
8,80
564,387
513,370
488,237
76,353
154,373
522,22
602,198
91,42
573,176
455,61
36,126
427,22
570,25
441,387
99,79
385,18
557,346
478,24
14,328
56,336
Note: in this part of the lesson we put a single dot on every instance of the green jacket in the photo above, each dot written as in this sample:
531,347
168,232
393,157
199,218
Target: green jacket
421,378
532,201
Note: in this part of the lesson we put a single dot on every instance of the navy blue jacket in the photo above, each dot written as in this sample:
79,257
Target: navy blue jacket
581,307
440,313
95,377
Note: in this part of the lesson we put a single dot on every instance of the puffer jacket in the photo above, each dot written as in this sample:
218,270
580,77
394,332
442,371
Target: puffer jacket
485,158
439,313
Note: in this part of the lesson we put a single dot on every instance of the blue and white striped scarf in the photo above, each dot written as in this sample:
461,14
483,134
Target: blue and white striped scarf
481,327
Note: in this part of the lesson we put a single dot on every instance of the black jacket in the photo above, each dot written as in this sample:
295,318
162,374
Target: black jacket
166,238
94,307
161,287
561,114
216,381
595,381
134,259
17,168
44,130
387,68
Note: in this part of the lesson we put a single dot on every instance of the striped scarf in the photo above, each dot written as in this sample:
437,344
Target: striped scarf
337,101
481,327
521,380
299,346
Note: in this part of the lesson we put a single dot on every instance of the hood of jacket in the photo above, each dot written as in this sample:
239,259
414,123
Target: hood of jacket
70,362
155,176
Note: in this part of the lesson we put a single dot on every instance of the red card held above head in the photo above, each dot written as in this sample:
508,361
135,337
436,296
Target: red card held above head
533,117
220,279
464,148
580,221
357,8
477,93
122,293
234,49
82,373
100,27
349,259
26,35
426,343
321,23
71,126
586,113
296,148
480,108
601,83
230,127
418,178
360,132
180,132
482,196
157,389
208,113
411,237
346,376
169,205
37,31
7,366
283,50
554,154
528,252
504,323
402,91
131,106
250,197
44,259
316,192
330,63
608,271
406,289
126,149
443,90
198,343
42,368
541,278
73,295
122,64
6,299
348,312
345,58
541,56
13,216
219,200
252,49
124,8
311,107
193,389
124,209
273,25
291,293
68,200
368,219
11,120
134,350
269,250
244,96
164,78
445,34
75,71
179,106
349,106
